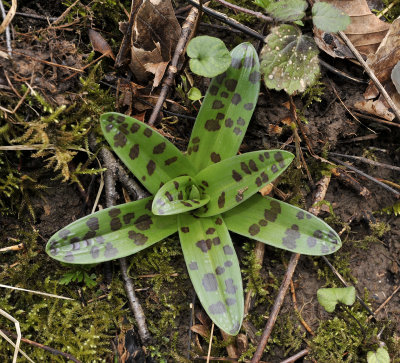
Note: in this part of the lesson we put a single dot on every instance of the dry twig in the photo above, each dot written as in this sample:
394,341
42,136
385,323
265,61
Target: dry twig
173,67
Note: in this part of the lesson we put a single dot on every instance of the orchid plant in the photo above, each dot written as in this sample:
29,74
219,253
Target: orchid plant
201,194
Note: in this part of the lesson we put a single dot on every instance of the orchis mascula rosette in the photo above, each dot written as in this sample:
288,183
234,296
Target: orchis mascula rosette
202,195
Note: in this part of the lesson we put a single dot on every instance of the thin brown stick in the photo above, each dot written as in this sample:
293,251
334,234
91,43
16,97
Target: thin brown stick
38,17
42,346
371,73
372,118
302,321
387,300
210,344
173,67
257,14
298,355
367,161
319,194
65,13
276,308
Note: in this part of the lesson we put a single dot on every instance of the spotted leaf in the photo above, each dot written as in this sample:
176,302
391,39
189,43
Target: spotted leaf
234,180
226,110
151,157
289,60
110,234
213,269
282,225
178,196
287,10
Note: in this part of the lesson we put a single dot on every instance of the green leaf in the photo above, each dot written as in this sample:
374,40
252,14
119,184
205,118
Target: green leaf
213,268
380,356
151,157
226,110
287,10
110,234
328,18
178,196
234,180
328,298
289,60
194,94
263,3
282,225
209,56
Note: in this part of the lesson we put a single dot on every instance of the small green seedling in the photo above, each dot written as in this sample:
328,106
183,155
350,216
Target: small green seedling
289,60
79,273
208,56
328,298
201,195
380,356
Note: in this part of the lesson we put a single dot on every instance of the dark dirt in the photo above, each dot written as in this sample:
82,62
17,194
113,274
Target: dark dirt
374,267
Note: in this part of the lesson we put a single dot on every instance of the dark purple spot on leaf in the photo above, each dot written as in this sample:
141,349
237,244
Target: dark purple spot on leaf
215,158
210,231
196,140
237,131
209,282
212,125
216,241
228,263
254,229
236,99
109,127
253,165
169,196
220,77
113,212
195,148
230,301
76,246
230,286
218,221
186,204
176,185
300,215
219,270
119,139
241,121
128,217
95,252
264,177
170,160
291,235
236,63
262,222
245,168
231,84
217,104
139,239
248,106
65,232
93,223
258,182
213,90
266,155
228,250
254,77
318,234
236,176
249,62
89,235
204,183
274,168
261,158
134,152
143,222
135,128
224,94
185,229
75,239
311,242
228,122
69,257
193,265
115,224
100,240
147,132
221,200
151,166
110,251
217,308
203,245
159,149
275,206
220,116
324,249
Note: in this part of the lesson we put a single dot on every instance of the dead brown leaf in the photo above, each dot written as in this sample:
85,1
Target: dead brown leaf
100,44
155,33
365,31
377,108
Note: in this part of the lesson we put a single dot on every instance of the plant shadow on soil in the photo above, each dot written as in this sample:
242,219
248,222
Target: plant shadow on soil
368,259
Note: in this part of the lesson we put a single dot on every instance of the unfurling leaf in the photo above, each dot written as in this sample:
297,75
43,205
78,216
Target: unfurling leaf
209,56
286,10
236,179
282,225
178,196
110,234
328,298
328,18
151,157
194,94
213,269
226,110
289,60
100,44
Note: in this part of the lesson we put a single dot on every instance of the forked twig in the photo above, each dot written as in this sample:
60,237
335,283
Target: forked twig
17,329
173,67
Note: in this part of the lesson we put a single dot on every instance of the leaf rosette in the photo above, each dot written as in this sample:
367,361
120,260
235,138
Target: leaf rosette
201,195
